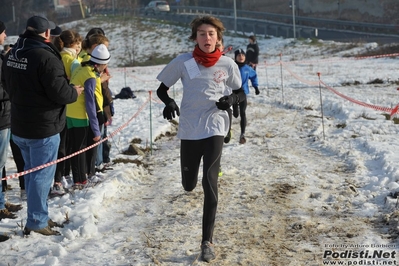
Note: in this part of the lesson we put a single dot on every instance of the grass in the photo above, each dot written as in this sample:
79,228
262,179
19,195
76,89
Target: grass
315,42
388,117
383,49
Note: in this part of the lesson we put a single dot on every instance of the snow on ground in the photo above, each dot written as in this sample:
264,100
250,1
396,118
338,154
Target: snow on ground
311,186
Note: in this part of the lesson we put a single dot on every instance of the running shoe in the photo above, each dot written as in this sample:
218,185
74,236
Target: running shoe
242,139
57,189
208,251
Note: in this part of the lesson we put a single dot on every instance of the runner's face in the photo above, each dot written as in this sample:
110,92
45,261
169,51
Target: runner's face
207,38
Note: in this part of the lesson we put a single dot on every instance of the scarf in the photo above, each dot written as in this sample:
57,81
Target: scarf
207,60
70,51
240,65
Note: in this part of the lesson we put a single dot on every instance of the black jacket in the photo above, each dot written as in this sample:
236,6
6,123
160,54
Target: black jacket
34,77
252,53
5,105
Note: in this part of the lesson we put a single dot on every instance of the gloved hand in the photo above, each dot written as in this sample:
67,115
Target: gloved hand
170,109
225,102
235,110
257,91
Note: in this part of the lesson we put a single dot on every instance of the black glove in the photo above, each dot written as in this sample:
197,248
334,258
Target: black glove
225,102
235,110
169,110
257,91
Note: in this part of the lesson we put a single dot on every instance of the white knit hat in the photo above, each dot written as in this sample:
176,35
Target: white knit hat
100,55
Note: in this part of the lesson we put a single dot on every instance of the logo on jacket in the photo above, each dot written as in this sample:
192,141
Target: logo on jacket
219,76
18,64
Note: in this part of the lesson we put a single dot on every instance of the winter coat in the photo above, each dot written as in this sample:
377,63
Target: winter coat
5,104
84,57
252,54
108,101
34,77
68,56
84,112
247,73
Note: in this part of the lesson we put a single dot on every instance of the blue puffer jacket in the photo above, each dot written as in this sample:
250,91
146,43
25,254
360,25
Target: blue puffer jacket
247,73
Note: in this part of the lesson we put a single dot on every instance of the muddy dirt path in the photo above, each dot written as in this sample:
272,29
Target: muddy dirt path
278,208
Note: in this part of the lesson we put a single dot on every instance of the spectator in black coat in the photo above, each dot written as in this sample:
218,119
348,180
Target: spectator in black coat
252,53
34,77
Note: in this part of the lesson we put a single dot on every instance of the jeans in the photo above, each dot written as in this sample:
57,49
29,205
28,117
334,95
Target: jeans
4,141
37,152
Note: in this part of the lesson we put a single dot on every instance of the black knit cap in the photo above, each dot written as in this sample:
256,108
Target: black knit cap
239,51
2,27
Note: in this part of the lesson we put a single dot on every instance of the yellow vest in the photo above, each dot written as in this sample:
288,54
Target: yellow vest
83,57
76,111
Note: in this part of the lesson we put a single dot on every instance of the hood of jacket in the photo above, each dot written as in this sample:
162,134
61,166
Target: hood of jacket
30,40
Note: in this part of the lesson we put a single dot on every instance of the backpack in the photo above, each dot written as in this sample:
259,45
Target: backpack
125,93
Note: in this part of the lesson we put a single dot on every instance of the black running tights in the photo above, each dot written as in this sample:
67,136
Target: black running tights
191,152
243,115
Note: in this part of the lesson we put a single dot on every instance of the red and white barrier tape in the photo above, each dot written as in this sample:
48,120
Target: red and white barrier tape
81,151
375,107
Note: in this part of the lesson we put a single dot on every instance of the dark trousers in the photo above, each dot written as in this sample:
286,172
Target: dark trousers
106,147
78,141
191,152
3,182
19,162
230,113
243,122
60,169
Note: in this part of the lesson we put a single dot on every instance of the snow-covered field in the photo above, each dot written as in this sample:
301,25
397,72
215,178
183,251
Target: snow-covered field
310,186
